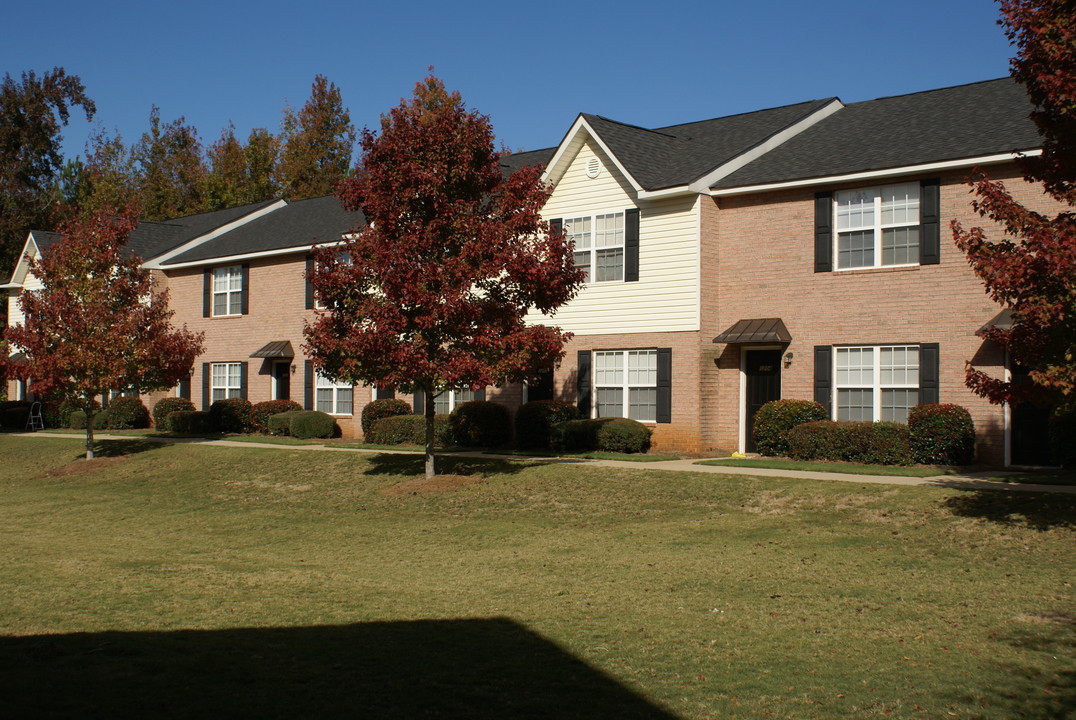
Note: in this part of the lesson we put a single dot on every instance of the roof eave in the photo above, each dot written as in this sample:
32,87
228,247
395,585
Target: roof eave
294,249
554,171
157,262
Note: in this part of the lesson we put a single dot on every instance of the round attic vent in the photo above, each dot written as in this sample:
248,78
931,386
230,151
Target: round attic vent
594,167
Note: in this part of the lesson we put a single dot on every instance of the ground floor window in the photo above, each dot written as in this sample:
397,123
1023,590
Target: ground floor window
879,382
447,400
625,383
226,381
333,398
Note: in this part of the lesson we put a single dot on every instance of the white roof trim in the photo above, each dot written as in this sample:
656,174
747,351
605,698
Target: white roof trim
155,263
703,183
872,174
26,250
249,256
581,125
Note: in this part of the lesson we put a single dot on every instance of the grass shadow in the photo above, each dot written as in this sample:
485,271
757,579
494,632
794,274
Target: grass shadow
1037,510
474,668
411,465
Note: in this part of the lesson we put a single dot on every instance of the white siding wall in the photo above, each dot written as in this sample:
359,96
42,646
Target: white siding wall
666,296
14,314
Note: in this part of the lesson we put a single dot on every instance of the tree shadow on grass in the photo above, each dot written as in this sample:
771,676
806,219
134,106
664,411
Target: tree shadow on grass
411,465
117,448
480,668
1037,510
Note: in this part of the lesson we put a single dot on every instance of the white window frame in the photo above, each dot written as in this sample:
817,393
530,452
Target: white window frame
598,241
341,257
337,403
232,376
224,278
455,397
877,227
627,384
876,384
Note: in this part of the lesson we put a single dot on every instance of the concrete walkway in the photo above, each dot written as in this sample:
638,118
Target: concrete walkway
969,481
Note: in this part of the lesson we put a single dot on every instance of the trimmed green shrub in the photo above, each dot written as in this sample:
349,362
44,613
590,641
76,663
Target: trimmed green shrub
13,414
77,420
280,424
600,434
881,443
1063,438
69,406
191,421
775,419
261,412
232,415
307,424
534,420
127,413
383,408
481,423
941,434
409,430
167,406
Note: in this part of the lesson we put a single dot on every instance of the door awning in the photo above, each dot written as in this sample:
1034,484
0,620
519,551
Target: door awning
275,349
17,359
1002,321
762,330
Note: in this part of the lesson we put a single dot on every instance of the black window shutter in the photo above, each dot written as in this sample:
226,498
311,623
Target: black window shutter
308,385
185,388
244,296
664,410
205,386
243,380
556,225
480,395
582,382
419,402
823,231
930,222
929,371
823,377
309,285
207,292
631,245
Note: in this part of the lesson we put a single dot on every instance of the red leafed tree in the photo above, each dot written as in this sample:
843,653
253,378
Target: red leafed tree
98,323
434,289
1032,271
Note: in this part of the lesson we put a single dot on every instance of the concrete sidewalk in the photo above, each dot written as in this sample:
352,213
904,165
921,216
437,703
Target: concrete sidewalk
970,481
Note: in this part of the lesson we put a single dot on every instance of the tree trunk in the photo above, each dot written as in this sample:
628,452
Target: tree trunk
430,470
89,427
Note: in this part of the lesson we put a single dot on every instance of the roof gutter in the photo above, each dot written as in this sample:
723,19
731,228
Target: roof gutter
245,256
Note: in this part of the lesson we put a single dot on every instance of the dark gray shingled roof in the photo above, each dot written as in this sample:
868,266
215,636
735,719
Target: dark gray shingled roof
679,154
297,225
513,162
953,123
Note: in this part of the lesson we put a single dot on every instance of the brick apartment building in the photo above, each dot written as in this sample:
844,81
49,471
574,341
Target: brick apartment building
798,252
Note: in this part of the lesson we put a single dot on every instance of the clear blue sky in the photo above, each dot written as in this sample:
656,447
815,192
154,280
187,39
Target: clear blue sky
532,67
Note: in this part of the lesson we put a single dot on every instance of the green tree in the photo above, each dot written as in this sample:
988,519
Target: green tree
238,174
170,167
108,177
32,112
316,143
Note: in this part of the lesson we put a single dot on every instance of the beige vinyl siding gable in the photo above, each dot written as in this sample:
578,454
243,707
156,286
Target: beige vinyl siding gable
14,313
665,298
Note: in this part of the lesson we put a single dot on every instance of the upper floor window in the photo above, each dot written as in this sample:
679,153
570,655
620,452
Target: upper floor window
877,382
228,290
877,226
599,245
333,398
625,383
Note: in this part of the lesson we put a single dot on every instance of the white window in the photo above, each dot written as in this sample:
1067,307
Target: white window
333,398
228,291
625,384
878,227
343,257
599,245
877,382
226,381
447,400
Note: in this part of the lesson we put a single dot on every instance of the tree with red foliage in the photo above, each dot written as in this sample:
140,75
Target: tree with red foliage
433,291
97,323
1034,274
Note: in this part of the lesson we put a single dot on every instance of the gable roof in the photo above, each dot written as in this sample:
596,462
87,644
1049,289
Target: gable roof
955,123
293,226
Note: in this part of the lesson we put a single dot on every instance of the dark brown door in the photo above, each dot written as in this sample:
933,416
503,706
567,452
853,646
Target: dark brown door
282,375
542,387
763,371
1030,429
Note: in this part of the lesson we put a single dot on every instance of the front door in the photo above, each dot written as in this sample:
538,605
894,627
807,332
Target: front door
763,371
282,380
1030,430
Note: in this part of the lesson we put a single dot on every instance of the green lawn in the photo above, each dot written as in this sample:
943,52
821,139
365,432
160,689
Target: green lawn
193,581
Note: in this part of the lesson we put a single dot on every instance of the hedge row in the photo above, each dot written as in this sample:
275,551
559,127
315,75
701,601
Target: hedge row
303,424
881,443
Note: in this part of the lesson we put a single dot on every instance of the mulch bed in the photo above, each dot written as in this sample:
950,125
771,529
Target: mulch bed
78,467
